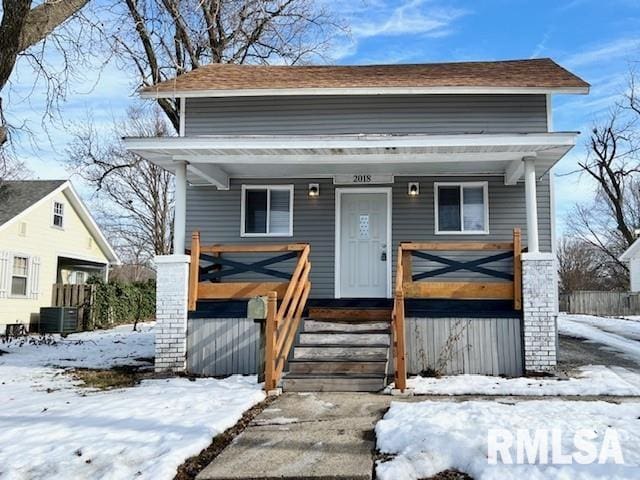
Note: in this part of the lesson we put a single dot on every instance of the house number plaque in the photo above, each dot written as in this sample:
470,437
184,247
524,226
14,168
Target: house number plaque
362,179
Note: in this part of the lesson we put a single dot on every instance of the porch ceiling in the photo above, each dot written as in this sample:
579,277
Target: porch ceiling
215,159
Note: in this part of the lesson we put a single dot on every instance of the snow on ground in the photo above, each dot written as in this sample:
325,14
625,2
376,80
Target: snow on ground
429,437
591,380
622,335
97,349
50,428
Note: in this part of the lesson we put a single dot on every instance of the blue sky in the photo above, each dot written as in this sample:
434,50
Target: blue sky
596,40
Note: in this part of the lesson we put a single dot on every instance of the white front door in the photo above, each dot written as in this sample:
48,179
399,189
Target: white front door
363,236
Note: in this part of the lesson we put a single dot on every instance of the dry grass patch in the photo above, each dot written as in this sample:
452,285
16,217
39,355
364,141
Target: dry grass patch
109,379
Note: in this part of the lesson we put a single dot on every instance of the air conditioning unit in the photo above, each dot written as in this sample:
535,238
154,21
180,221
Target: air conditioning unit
58,320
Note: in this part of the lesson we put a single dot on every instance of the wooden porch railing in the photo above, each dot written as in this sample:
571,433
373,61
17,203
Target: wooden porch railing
397,325
283,316
408,285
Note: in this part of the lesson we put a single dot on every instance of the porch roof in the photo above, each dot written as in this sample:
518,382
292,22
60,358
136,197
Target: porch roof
215,159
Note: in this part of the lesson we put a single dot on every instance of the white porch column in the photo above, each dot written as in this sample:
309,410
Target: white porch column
531,204
180,214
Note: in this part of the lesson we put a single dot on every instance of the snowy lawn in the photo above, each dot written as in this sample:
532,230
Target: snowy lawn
52,428
428,437
592,380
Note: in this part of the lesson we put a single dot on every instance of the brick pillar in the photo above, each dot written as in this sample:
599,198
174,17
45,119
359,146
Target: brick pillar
539,312
171,312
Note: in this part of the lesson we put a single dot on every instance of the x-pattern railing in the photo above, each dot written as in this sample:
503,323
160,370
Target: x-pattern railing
456,265
216,271
408,284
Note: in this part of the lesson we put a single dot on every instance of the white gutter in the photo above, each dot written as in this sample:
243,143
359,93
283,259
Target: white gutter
260,92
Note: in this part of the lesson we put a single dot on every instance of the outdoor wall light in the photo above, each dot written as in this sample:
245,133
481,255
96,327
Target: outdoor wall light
314,189
414,189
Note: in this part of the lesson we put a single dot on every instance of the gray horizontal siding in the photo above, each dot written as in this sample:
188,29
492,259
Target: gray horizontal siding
452,346
216,214
401,114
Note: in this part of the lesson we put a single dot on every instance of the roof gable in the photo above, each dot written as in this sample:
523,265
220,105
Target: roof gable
17,196
632,252
535,74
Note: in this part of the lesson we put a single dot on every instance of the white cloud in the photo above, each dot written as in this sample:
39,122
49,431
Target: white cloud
541,46
412,17
376,18
620,48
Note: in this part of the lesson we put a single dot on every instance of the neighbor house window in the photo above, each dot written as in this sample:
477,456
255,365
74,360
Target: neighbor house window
461,208
78,278
58,214
267,210
19,276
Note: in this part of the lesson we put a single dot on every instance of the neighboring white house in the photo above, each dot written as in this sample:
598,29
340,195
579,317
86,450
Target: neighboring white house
632,257
47,236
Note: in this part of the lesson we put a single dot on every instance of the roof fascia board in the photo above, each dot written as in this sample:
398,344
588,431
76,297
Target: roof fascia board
261,92
93,226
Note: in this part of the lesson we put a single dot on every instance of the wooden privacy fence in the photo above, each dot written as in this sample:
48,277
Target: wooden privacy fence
410,285
80,296
208,275
601,303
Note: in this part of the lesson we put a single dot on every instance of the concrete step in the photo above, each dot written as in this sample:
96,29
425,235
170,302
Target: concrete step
301,366
333,383
341,352
312,325
332,338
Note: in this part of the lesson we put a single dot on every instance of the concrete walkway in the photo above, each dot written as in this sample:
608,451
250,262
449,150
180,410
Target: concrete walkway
305,435
325,435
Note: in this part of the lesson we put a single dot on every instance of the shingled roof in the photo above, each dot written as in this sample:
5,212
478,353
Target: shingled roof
541,73
16,196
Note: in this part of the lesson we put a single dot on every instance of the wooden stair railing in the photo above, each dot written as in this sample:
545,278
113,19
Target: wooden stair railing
208,282
282,322
397,324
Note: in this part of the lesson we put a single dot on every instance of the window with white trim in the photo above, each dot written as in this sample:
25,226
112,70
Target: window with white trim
58,214
461,208
267,211
19,275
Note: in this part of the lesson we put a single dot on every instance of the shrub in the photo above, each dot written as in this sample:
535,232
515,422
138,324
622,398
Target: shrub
115,303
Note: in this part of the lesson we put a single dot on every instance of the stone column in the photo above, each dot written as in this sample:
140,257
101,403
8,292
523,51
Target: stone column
539,312
171,312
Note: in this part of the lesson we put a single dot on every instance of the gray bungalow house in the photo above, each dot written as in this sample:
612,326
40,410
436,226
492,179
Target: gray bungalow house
395,219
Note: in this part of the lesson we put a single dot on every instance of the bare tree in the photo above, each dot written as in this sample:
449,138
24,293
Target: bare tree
24,25
161,39
610,219
581,266
135,196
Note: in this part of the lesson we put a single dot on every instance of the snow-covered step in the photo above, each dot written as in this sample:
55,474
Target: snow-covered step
328,338
342,326
341,352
